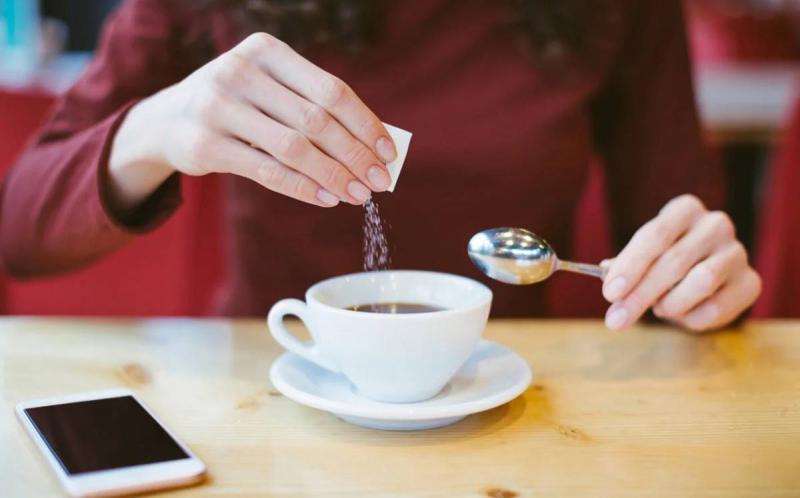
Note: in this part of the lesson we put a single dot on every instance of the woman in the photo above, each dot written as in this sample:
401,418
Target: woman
509,103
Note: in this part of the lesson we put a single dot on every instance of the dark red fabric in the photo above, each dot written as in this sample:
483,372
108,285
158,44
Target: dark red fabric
496,143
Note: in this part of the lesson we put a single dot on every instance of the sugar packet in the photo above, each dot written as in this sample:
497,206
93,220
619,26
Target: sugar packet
402,140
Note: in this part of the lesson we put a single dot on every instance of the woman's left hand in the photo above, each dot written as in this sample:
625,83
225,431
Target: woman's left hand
686,264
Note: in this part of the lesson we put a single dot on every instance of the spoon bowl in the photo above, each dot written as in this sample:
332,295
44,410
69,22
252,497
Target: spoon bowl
520,257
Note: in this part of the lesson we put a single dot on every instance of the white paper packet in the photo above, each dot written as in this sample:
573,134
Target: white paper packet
402,140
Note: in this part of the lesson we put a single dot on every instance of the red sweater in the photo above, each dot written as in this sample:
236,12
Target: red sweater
496,143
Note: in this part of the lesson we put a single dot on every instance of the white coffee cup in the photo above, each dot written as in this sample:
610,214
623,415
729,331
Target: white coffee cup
388,357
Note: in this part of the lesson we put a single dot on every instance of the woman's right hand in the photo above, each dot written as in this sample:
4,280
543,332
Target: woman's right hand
260,111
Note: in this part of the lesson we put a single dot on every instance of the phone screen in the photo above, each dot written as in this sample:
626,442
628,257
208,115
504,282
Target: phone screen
103,434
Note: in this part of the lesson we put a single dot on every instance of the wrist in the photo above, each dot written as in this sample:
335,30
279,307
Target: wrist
136,165
138,141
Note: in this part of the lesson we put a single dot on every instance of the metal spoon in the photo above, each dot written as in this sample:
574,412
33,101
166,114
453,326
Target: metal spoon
517,256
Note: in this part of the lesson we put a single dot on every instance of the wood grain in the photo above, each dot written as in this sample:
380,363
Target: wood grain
653,412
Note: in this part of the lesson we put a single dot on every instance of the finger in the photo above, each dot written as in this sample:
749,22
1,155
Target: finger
293,149
318,126
674,264
702,281
322,88
648,243
232,156
727,304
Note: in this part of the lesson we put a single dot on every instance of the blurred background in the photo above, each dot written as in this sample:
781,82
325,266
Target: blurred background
747,70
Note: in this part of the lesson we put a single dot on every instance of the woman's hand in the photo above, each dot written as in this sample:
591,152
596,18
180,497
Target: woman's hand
263,112
687,265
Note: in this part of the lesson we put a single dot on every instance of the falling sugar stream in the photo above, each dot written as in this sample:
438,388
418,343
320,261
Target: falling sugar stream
376,247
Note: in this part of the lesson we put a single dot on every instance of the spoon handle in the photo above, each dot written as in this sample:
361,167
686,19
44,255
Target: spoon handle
586,269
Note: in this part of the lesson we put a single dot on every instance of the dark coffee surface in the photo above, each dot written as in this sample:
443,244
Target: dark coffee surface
395,308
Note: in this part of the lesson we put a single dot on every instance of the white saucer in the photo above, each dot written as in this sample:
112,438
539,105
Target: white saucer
494,375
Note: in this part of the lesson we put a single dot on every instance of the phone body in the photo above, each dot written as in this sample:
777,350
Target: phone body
107,443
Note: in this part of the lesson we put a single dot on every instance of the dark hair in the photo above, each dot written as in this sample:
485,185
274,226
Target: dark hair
559,33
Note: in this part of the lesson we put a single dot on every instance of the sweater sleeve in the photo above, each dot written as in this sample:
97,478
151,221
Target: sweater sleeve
53,211
646,124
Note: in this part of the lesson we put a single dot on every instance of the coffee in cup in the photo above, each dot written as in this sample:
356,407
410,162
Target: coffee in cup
395,308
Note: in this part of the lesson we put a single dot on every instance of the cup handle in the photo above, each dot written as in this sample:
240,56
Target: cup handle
297,308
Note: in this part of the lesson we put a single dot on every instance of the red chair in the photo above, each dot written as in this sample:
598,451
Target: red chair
721,33
22,113
173,271
778,250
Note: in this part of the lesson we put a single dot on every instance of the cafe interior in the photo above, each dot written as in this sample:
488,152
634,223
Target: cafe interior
650,411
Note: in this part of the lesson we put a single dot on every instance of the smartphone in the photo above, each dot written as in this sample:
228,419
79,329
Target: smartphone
107,443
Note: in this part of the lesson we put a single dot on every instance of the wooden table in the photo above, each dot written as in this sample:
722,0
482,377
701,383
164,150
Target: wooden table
652,412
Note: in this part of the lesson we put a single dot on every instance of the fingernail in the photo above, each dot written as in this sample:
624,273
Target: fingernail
358,191
605,263
616,288
327,198
379,178
617,318
386,150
